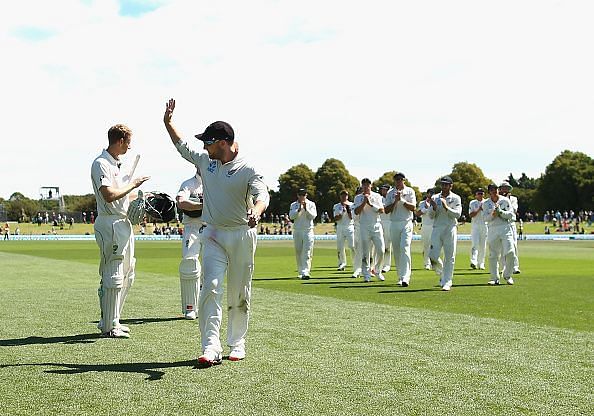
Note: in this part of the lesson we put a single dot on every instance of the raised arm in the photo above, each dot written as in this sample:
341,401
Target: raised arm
169,107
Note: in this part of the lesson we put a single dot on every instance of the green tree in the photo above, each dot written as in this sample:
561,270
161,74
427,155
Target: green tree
298,176
19,207
80,203
331,178
568,183
467,177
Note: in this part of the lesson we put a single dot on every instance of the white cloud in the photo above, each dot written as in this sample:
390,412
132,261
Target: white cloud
413,86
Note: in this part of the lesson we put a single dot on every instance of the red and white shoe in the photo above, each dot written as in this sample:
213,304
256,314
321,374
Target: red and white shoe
237,353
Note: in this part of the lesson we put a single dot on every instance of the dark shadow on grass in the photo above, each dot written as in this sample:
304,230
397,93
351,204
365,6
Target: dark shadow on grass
470,273
140,321
69,339
275,278
150,369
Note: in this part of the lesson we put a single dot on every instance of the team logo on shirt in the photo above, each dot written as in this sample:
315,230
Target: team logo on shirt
212,166
231,172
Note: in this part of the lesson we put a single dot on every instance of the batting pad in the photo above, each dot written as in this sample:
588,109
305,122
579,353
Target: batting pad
113,273
189,294
189,278
110,303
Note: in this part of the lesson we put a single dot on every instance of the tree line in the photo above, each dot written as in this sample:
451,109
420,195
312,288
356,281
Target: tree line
566,184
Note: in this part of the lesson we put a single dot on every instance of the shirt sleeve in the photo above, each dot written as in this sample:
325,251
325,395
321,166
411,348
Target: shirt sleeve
101,175
190,155
259,190
293,210
311,209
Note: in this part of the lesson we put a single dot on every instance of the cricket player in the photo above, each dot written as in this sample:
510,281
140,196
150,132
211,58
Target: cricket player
368,205
385,220
499,214
113,230
235,196
478,230
345,228
447,208
358,259
425,211
505,190
189,199
401,203
302,212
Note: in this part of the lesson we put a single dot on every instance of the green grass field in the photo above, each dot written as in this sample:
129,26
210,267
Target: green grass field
330,345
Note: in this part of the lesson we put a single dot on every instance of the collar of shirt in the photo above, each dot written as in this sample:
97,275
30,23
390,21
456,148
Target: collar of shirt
111,159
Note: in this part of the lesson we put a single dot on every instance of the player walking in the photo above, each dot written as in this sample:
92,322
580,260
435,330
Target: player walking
302,212
235,196
402,202
478,230
447,207
189,200
499,214
505,190
113,230
368,205
345,228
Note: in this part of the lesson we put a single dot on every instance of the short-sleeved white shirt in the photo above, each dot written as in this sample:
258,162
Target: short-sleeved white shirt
191,188
105,171
345,221
400,212
369,215
479,218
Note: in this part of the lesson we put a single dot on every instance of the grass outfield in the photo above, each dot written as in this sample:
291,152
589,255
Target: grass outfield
330,345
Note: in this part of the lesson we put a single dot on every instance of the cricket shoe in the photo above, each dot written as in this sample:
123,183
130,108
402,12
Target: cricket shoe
116,333
517,271
386,269
404,284
447,287
237,353
190,315
380,276
427,267
493,282
472,266
356,273
509,280
305,277
367,278
341,267
120,326
210,358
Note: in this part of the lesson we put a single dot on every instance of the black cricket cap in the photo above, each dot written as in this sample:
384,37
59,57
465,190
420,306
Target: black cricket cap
479,191
219,130
385,186
446,179
492,186
301,191
365,180
399,175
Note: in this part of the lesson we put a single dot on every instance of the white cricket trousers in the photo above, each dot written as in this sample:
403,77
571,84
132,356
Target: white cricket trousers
345,236
478,234
426,231
516,255
357,260
229,250
444,237
401,233
304,242
387,230
372,235
500,239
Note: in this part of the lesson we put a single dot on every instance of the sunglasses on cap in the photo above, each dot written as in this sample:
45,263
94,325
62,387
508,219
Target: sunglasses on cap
209,142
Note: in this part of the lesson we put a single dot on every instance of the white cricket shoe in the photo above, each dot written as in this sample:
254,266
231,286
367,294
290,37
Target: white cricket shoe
120,326
341,267
509,280
237,353
447,287
380,276
386,269
190,315
493,282
116,333
427,267
210,358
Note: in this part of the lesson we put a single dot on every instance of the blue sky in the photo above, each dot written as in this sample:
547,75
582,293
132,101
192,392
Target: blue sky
380,85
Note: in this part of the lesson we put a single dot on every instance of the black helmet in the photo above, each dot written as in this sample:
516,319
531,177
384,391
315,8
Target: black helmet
160,206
